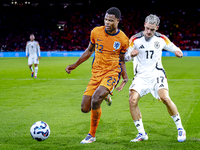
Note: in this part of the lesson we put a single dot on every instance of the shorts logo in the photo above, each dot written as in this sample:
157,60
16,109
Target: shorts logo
156,44
116,45
161,86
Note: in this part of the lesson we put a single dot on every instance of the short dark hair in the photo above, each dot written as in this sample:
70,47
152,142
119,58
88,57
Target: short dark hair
114,11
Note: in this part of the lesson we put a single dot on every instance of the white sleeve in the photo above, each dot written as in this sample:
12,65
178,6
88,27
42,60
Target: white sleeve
127,56
27,49
130,49
171,47
38,48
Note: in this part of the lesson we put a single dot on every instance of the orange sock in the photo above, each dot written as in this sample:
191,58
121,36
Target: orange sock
95,118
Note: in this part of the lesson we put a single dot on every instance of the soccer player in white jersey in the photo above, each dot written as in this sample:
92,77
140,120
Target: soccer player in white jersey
32,47
146,50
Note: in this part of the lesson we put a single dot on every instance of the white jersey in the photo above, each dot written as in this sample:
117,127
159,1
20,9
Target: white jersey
32,47
149,58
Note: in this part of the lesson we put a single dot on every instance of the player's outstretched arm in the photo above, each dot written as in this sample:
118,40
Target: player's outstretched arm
88,52
124,73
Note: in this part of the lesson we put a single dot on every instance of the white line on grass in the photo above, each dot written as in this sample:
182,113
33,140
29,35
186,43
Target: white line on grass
191,112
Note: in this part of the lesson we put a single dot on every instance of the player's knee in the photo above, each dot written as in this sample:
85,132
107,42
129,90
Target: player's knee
133,102
133,98
98,97
85,109
96,101
165,99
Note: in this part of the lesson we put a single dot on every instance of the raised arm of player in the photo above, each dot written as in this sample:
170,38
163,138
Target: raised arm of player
124,73
88,52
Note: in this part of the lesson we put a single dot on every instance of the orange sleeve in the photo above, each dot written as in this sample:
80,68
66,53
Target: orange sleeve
125,45
92,37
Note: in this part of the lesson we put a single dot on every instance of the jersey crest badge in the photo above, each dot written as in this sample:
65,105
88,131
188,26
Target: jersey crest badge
116,45
156,44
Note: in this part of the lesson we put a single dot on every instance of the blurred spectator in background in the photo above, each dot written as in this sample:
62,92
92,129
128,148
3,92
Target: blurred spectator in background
16,22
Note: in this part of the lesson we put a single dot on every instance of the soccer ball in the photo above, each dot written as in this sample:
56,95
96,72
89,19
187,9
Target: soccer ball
40,131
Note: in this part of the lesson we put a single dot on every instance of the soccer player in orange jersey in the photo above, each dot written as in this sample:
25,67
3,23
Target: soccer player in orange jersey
109,44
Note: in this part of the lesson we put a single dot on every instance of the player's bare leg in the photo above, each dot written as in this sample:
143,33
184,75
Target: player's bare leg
164,96
36,70
172,109
136,115
86,103
97,98
133,104
31,68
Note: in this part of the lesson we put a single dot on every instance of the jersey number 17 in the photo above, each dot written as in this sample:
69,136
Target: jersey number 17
149,54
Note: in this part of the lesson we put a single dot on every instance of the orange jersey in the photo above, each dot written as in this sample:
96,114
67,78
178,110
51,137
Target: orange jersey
107,49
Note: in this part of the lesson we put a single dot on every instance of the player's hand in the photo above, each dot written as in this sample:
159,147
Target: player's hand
134,53
179,54
39,57
69,68
26,56
122,85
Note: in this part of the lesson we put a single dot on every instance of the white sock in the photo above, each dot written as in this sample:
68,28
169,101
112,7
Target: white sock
139,126
31,68
36,70
177,121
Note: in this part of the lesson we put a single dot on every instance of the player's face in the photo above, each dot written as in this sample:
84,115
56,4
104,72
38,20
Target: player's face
111,23
150,29
32,37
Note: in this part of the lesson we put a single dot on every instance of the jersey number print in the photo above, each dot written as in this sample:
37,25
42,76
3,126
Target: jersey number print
149,54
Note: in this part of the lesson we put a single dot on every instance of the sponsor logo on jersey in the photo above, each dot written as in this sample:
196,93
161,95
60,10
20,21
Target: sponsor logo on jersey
116,45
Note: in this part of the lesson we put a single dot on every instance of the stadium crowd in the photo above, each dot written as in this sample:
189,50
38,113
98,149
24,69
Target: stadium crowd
18,22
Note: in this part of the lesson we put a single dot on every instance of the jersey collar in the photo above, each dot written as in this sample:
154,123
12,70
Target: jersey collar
112,34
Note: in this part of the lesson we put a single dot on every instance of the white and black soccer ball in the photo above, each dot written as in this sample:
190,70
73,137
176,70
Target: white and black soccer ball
40,131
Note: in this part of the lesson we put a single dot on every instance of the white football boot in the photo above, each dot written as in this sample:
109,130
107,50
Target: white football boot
140,137
181,135
89,139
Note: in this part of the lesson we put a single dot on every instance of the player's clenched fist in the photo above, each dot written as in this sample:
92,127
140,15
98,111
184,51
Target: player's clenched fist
179,54
134,53
69,68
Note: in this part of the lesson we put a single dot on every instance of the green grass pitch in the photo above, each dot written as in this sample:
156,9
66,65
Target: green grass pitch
55,97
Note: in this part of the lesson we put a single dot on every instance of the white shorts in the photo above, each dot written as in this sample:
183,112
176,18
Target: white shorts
145,85
33,60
